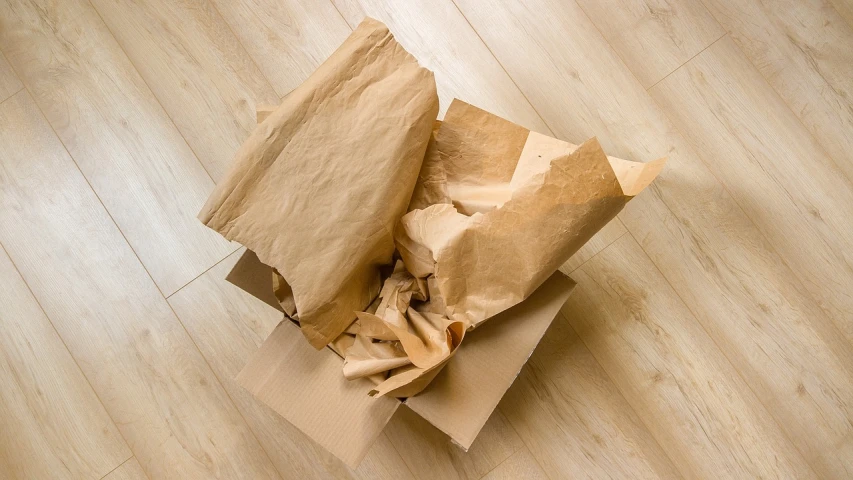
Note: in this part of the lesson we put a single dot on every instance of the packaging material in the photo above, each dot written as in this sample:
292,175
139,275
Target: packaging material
317,188
306,387
492,197
391,238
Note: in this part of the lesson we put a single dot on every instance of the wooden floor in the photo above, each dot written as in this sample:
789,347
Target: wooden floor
711,332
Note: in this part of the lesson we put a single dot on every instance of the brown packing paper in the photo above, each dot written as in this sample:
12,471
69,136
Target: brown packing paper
522,204
509,200
317,188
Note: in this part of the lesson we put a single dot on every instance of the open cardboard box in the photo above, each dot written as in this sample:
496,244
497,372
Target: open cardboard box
308,389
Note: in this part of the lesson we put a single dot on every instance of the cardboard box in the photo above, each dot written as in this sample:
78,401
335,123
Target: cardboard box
308,389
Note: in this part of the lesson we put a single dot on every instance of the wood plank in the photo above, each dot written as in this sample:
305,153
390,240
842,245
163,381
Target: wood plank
51,423
835,461
9,83
731,278
229,325
845,9
797,197
124,143
573,419
440,38
802,48
520,465
129,470
653,37
197,69
430,454
793,192
692,400
168,405
288,39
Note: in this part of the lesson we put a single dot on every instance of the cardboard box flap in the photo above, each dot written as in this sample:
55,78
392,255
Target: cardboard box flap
306,387
253,276
463,396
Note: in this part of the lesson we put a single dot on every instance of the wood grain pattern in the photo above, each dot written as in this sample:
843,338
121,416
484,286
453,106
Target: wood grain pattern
196,67
441,39
9,83
845,9
125,144
129,470
574,420
520,465
653,37
430,454
288,39
802,48
692,400
709,250
229,325
715,90
51,423
795,194
167,404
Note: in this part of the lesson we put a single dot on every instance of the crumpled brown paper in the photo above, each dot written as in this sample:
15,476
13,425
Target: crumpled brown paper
521,204
496,210
318,187
407,337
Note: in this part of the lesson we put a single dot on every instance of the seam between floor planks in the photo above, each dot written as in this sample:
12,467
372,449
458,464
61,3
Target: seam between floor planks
772,247
165,298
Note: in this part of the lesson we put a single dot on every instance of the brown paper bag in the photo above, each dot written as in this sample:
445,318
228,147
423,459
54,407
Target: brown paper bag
317,188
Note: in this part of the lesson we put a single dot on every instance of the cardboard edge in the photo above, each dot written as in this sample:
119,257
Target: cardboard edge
305,387
465,437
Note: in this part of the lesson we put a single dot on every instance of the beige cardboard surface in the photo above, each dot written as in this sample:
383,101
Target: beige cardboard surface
316,189
458,401
305,386
462,397
250,274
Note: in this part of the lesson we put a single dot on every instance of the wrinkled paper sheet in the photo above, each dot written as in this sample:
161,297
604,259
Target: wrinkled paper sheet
495,212
318,187
321,188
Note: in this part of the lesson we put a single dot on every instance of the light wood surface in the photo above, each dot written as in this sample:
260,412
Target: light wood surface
767,151
157,388
845,9
438,458
693,401
520,465
196,68
288,39
9,83
711,332
802,48
46,404
441,39
129,470
573,418
653,37
118,134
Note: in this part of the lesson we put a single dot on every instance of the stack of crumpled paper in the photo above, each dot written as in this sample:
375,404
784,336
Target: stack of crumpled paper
393,234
